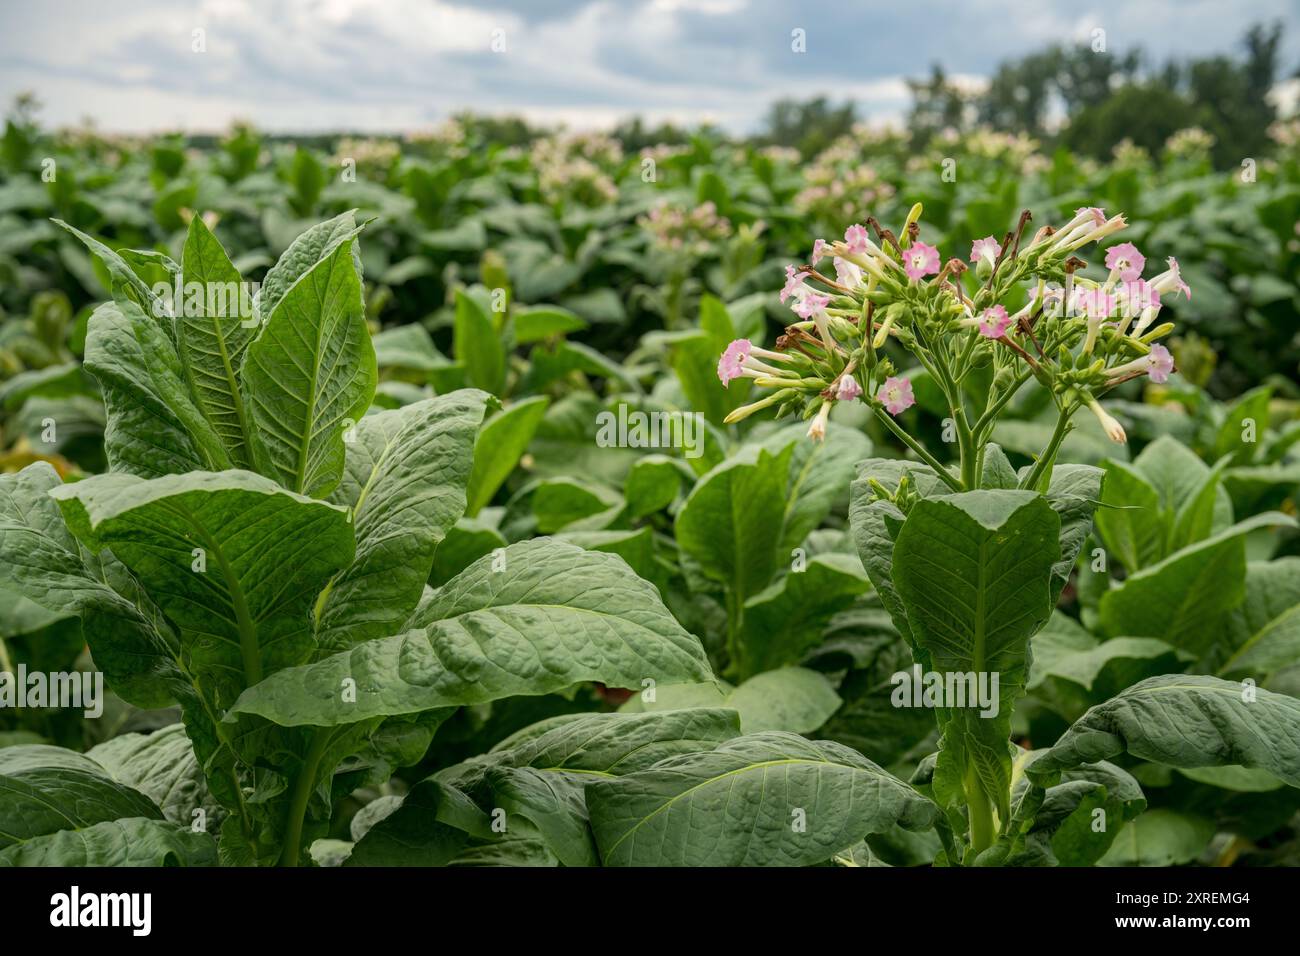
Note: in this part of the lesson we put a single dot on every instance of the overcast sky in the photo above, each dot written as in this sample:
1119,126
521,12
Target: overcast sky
302,65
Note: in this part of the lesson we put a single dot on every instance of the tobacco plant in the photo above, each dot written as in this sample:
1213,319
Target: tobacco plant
258,554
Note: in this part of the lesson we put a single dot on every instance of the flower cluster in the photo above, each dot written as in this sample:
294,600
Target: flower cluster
572,168
375,153
1190,143
681,230
1020,304
834,194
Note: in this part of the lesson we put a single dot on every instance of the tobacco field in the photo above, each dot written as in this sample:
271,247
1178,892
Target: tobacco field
446,501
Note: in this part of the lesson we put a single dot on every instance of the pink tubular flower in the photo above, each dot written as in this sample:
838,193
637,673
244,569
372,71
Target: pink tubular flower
1162,364
1171,281
1137,295
810,305
920,260
855,237
987,248
731,364
993,323
848,389
820,248
1098,214
847,274
793,280
1126,260
896,395
1095,303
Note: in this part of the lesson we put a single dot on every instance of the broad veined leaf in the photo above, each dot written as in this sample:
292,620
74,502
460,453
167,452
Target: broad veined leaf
771,799
405,478
732,522
127,286
795,699
163,767
212,332
1073,492
652,484
1263,634
231,558
545,616
50,579
133,841
1129,520
789,698
1180,599
1066,829
305,252
309,376
1160,837
819,474
477,345
500,444
875,524
544,322
47,789
974,573
1070,680
787,618
153,426
1185,721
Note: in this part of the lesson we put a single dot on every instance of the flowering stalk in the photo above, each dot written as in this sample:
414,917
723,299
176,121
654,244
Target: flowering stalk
1025,312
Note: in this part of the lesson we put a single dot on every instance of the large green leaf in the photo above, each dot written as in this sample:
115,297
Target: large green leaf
163,767
309,376
795,699
126,284
405,481
1181,598
477,344
875,524
1129,521
1073,492
1185,721
500,444
1262,635
786,619
974,573
46,789
134,841
731,524
537,618
212,332
49,579
303,254
771,799
153,426
819,475
264,554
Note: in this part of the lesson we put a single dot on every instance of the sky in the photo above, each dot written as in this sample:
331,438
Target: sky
396,65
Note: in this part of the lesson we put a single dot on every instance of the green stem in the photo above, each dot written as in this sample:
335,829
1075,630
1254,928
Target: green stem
303,784
6,663
1048,456
981,815
888,421
985,421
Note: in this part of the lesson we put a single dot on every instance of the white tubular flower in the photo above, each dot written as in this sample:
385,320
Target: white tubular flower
817,430
1110,227
1113,429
